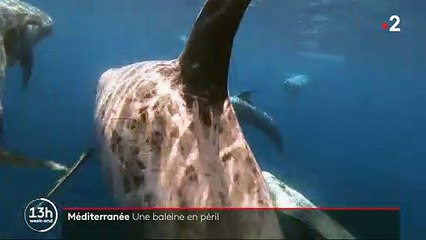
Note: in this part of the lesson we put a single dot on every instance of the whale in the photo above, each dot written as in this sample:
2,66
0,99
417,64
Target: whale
249,114
168,134
22,26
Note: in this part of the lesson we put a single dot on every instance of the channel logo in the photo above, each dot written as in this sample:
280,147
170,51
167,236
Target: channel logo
395,20
41,215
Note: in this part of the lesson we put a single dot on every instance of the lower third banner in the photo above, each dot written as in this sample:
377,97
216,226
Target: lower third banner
210,223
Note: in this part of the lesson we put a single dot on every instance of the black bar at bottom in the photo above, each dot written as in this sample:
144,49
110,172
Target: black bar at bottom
120,224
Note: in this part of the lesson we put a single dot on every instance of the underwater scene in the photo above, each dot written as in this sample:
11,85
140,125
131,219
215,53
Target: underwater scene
330,96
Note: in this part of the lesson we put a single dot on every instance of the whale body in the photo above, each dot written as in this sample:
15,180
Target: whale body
169,136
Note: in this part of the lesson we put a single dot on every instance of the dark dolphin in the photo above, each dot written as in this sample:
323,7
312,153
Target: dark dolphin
20,40
248,113
12,159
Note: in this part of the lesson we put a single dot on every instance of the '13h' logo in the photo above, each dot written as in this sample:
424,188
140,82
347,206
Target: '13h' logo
41,215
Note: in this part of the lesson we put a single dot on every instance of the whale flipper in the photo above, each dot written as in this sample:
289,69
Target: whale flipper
286,197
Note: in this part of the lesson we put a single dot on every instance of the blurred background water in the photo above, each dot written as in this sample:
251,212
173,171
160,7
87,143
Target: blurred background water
355,137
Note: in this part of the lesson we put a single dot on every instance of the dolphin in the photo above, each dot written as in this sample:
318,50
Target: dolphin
169,137
21,27
248,113
11,159
19,40
293,85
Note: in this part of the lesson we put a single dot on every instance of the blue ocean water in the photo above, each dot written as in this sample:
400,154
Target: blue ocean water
355,137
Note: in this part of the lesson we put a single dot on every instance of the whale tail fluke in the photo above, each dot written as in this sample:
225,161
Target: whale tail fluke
205,60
